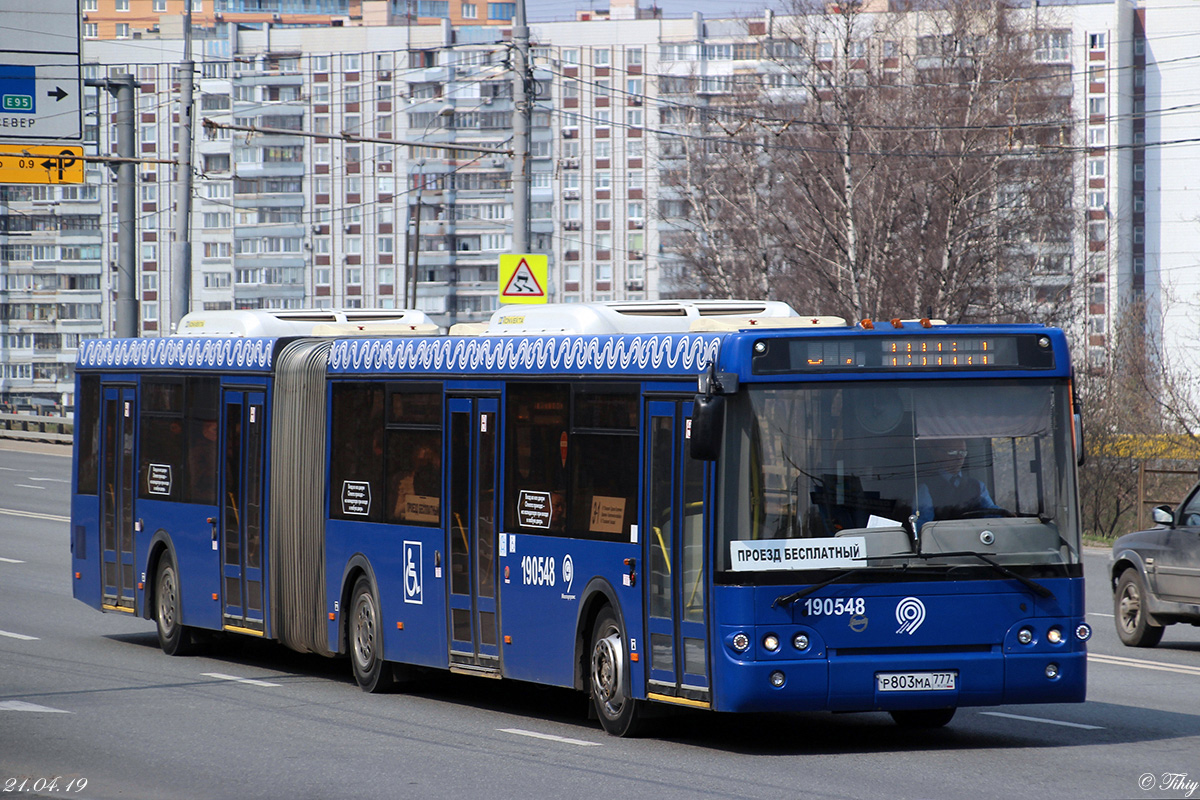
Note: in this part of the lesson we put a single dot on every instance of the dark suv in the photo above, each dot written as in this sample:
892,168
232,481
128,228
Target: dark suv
1156,574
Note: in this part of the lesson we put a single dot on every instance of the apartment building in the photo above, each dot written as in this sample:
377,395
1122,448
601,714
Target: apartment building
136,19
305,215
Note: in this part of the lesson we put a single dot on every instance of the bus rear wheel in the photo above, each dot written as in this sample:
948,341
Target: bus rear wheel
923,717
618,711
371,672
173,637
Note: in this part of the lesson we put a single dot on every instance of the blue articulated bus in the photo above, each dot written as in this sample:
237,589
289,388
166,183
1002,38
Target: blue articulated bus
719,505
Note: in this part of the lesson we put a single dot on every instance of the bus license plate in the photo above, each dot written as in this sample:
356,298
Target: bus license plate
916,681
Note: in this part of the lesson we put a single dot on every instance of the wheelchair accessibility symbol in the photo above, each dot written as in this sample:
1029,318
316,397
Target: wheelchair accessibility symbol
412,573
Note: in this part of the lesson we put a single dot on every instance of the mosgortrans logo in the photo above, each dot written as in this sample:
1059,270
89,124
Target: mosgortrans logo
910,613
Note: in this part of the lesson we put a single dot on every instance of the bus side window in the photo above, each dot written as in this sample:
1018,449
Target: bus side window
356,489
414,454
604,432
162,440
87,424
536,456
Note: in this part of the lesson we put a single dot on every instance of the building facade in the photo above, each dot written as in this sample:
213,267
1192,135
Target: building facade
314,207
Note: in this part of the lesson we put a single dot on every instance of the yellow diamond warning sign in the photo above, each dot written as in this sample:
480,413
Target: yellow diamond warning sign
523,278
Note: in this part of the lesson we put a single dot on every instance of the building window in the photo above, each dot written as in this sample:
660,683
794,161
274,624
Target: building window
1097,231
1095,199
633,57
1095,167
122,30
91,30
1096,106
122,5
1139,203
469,11
1095,41
1053,46
1139,265
601,57
1139,234
502,10
1097,136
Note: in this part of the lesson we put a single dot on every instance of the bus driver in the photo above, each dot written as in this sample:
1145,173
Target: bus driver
947,493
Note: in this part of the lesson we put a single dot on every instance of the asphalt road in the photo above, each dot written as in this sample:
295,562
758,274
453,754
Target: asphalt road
89,696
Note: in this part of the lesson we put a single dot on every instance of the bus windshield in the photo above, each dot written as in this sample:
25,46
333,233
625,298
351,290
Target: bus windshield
887,474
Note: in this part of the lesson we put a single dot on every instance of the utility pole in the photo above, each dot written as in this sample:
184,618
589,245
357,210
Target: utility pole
125,322
125,315
127,208
522,116
181,261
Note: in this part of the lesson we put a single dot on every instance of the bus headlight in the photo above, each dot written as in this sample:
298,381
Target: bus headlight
777,679
800,641
740,642
1052,671
771,642
1054,635
1083,632
1025,635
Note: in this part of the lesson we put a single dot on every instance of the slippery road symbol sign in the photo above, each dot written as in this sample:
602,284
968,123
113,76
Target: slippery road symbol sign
523,278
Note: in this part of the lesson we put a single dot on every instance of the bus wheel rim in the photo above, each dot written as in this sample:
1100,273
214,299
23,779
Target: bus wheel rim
364,632
608,667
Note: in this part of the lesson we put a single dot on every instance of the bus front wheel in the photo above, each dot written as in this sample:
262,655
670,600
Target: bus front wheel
173,637
609,678
366,640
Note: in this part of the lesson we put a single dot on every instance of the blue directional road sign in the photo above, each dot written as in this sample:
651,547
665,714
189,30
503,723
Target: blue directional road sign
18,89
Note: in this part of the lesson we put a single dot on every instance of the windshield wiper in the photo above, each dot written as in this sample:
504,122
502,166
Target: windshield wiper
1032,585
788,599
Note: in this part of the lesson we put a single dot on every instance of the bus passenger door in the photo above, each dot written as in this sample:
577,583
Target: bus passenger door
676,595
241,511
118,485
471,536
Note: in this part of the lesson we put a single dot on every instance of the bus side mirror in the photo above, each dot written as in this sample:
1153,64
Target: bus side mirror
708,424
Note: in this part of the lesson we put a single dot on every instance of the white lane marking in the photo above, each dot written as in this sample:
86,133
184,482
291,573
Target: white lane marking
1161,666
20,636
235,678
51,480
548,737
11,561
1099,614
18,705
29,486
1079,725
52,517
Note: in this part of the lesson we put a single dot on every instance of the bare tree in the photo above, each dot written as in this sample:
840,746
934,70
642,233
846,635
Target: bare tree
885,164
